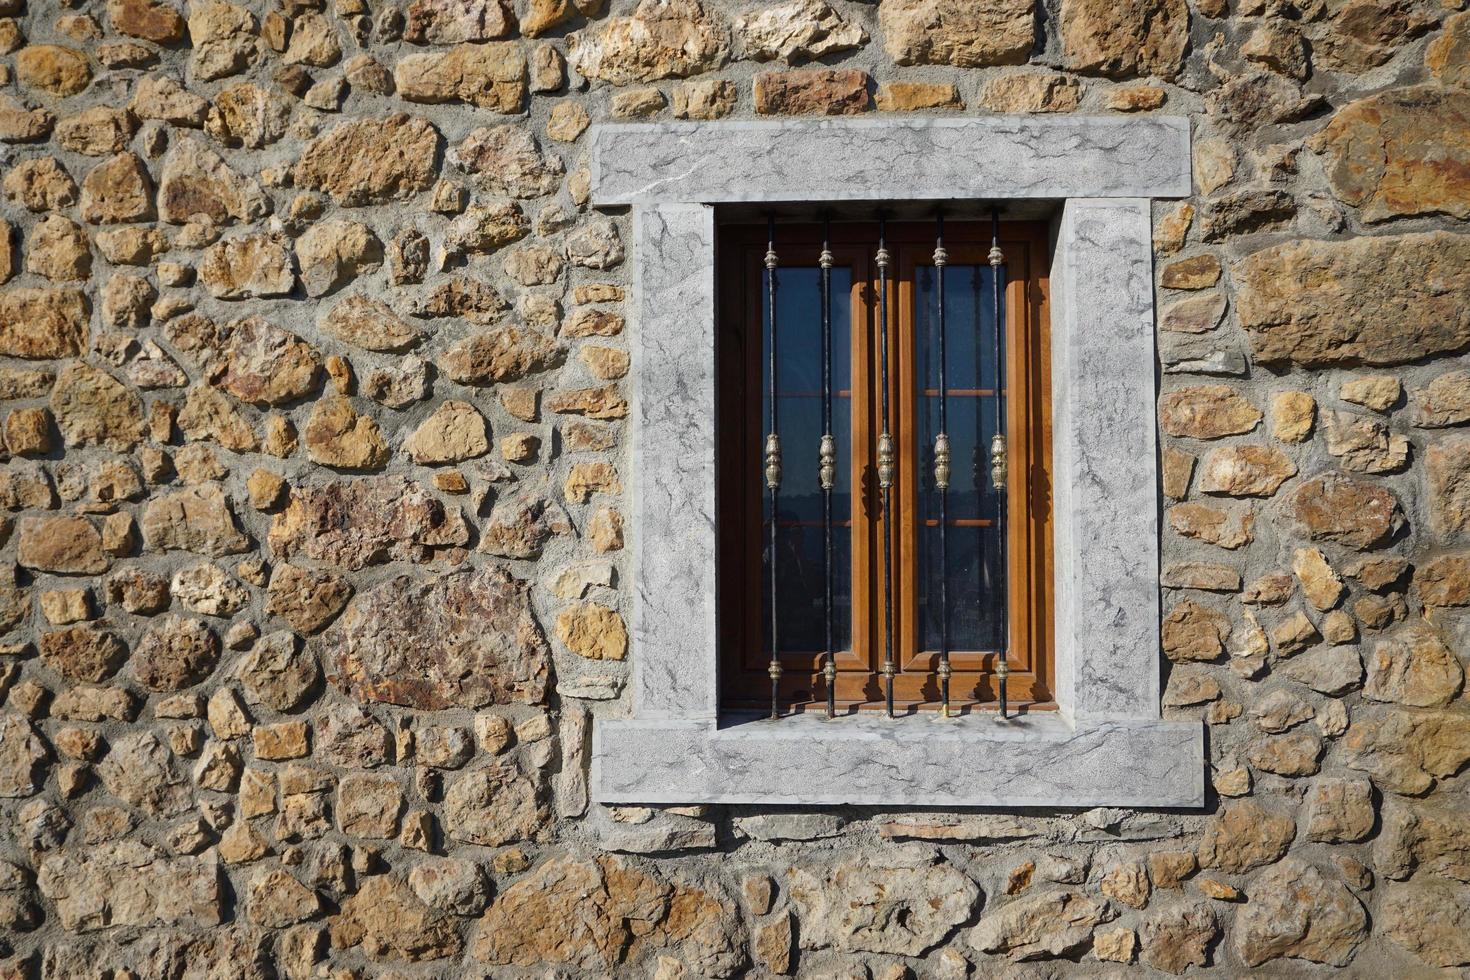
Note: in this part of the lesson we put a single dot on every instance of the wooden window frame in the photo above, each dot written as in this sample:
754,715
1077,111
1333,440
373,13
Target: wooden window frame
743,661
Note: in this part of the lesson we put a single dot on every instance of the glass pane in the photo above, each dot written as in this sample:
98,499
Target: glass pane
973,562
800,549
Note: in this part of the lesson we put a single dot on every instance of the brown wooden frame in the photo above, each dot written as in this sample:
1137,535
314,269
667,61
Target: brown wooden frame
744,682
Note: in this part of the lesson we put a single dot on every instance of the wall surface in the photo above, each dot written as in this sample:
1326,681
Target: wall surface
313,370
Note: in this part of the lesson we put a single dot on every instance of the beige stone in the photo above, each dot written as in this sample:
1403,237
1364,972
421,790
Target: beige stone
1136,38
593,631
1244,836
1447,471
662,39
1031,92
58,248
371,161
1245,471
952,32
456,431
489,76
39,323
53,69
1207,412
704,99
1344,511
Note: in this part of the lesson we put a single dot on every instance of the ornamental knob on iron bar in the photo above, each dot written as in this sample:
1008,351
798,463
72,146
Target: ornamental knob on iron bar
998,461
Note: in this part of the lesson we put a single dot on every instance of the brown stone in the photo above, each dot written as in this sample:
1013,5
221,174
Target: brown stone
278,900
370,324
1414,668
1364,445
509,161
806,91
1245,471
1125,40
1430,917
174,653
900,96
491,806
147,19
1137,98
1193,632
83,653
1207,412
1225,528
336,435
952,32
279,672
597,403
117,190
372,161
1292,754
593,631
662,39
1448,56
1296,912
467,639
1378,300
1243,836
1195,272
1340,810
456,431
306,599
61,545
504,353
332,254
21,125
39,323
389,922
1032,92
1445,401
53,69
197,519
127,883
1363,34
139,771
712,98
490,76
195,181
247,267
1339,509
1406,752
1176,470
1447,475
208,414
1176,939
1320,584
1443,581
360,522
252,359
94,409
57,248
450,22
1197,314
1043,926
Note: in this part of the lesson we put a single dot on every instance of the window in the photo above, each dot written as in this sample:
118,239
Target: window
996,598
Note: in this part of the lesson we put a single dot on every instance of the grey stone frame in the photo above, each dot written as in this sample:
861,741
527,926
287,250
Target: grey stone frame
1107,744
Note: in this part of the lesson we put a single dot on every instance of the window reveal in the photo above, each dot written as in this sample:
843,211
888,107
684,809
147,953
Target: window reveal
967,583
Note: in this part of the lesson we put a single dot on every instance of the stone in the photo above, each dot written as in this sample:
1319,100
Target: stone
368,805
117,190
1245,212
804,91
1243,836
450,885
128,884
455,432
1176,939
1320,584
147,19
662,39
370,324
952,32
1447,475
247,267
208,414
1137,38
508,161
139,771
57,248
313,42
1195,272
249,115
1340,809
53,69
1376,301
904,96
795,31
195,181
1245,471
61,545
596,245
40,185
489,76
1031,92
278,900
894,907
389,922
333,253
505,353
1293,754
308,600
1405,752
1127,883
1195,315
519,526
279,672
492,806
356,523
1207,412
251,359
456,21
1339,509
1429,918
1414,668
1443,581
704,99
592,631
1043,926
96,132
474,642
93,408
223,36
22,757
1193,632
1376,392
372,161
1364,445
21,125
40,323
1296,912
207,589
174,653
1445,401
1365,33
336,435
197,519
568,120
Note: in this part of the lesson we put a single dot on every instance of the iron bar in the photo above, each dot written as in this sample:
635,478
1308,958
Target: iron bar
773,463
999,465
941,470
827,467
886,462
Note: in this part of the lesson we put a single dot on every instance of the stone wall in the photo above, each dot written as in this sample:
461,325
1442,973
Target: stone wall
314,491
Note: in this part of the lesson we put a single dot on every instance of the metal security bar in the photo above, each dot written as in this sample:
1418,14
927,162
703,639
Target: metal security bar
993,589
